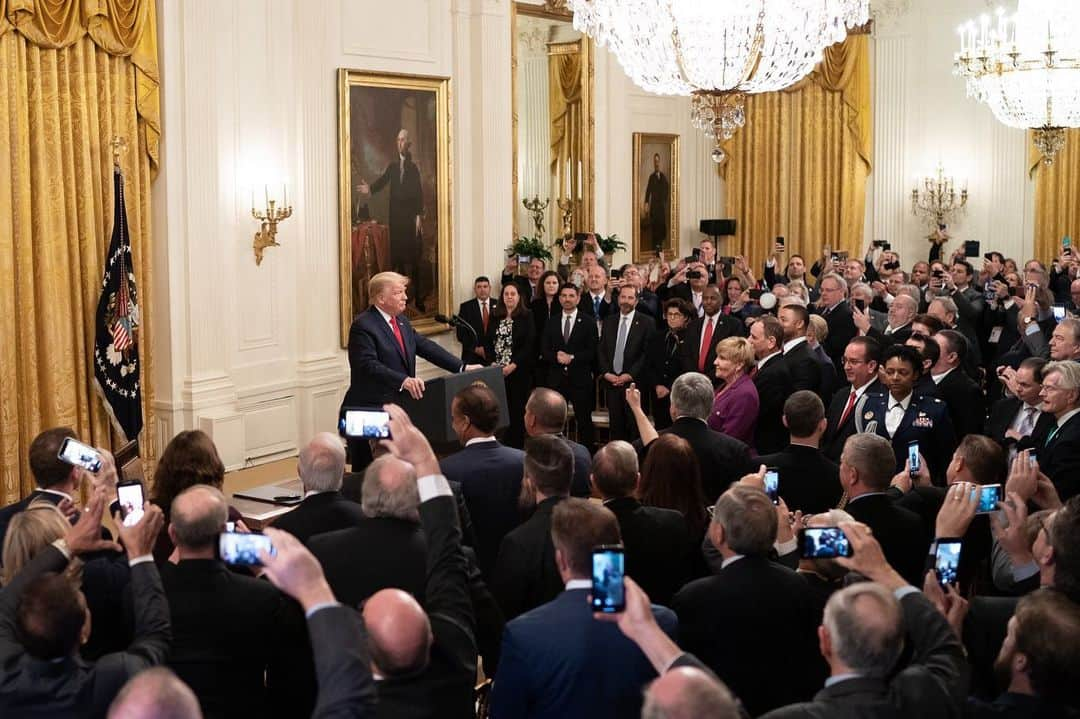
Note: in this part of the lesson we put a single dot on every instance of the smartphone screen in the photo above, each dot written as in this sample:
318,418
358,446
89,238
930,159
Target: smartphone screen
772,484
696,253
947,561
755,294
971,248
780,241
366,423
989,496
913,458
243,549
616,273
824,542
130,497
1059,312
78,454
1033,459
608,592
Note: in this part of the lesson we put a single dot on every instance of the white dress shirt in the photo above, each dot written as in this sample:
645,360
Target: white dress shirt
938,377
761,362
895,413
792,344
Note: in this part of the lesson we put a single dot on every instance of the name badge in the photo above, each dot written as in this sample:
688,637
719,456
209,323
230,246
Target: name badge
995,334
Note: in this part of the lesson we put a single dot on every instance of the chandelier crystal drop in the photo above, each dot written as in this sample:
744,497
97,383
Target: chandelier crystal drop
1026,68
717,51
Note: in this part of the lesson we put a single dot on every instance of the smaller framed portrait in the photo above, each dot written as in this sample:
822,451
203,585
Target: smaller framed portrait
656,194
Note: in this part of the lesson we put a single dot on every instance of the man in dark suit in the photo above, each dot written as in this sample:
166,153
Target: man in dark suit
321,467
383,348
557,660
489,472
1016,417
808,480
902,311
477,313
772,379
545,413
961,395
529,284
647,301
237,641
731,621
1059,453
803,368
861,359
657,201
704,333
525,575
656,540
862,638
622,359
43,619
569,348
722,459
594,299
689,284
837,312
999,326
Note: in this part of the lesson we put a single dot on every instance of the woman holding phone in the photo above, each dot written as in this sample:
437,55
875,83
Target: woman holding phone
510,343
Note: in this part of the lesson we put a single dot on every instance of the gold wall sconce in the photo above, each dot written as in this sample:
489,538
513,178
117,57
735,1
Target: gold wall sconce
270,217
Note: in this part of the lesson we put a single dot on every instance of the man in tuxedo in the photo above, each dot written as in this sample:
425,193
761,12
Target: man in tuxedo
569,349
545,413
1059,455
1018,416
772,378
732,621
622,359
525,574
657,201
837,312
808,480
656,540
958,391
383,347
800,361
321,467
237,641
557,661
489,473
704,333
861,359
477,313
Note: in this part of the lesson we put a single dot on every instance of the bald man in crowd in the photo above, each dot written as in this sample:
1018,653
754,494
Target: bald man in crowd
321,467
156,693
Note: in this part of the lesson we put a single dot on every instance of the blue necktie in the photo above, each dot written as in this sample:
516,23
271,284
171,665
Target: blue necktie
596,306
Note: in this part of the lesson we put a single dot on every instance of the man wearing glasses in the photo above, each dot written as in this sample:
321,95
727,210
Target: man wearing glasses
1058,450
860,361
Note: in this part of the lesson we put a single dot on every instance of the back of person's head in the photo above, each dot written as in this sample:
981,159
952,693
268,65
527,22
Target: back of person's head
748,518
549,464
399,633
48,469
692,395
1065,541
819,327
671,478
866,628
30,531
615,470
322,463
155,693
189,459
478,404
198,516
578,525
931,322
803,412
689,693
984,458
872,457
389,490
549,409
50,616
1047,634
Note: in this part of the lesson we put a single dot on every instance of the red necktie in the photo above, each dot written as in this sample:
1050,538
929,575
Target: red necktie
397,334
484,310
847,407
706,340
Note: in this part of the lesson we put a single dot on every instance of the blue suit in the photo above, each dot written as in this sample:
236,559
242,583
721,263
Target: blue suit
926,421
559,662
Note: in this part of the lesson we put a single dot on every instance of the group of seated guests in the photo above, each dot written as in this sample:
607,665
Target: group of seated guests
394,591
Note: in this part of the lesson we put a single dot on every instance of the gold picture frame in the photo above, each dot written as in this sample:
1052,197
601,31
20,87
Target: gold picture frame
378,228
646,215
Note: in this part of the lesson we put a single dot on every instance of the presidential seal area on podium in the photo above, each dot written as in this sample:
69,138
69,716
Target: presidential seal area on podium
383,347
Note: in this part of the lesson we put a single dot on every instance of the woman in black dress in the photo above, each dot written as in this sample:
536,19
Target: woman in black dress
543,308
510,344
665,357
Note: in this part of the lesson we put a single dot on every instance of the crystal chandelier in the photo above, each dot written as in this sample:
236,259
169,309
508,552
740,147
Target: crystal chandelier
717,51
1027,68
936,199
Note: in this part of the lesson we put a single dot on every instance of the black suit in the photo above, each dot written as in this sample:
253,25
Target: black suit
665,364
641,329
519,382
406,204
575,380
238,642
808,480
733,622
774,385
722,459
836,433
1002,414
579,485
470,311
525,575
841,331
724,326
656,543
899,532
323,512
657,194
1059,457
803,368
898,336
342,664
377,553
967,408
589,306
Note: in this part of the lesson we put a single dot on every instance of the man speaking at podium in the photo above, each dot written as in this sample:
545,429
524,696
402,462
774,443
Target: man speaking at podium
383,347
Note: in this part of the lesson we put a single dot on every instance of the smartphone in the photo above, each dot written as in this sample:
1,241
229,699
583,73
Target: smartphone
947,561
877,243
891,265
608,591
580,237
1016,291
727,260
860,304
989,257
971,248
131,499
824,542
368,423
524,259
755,294
843,256
694,275
989,496
1066,241
243,549
780,241
1033,460
938,273
616,273
887,246
1059,312
835,257
913,458
696,254
772,484
78,454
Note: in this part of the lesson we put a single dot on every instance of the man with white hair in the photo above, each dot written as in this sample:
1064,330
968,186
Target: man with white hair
156,693
902,311
1059,450
836,310
321,468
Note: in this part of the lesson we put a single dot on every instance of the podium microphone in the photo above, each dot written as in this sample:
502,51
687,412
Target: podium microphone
446,320
456,321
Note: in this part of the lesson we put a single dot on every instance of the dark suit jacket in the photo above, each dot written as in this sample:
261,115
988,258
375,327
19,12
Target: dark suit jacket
406,197
323,512
841,331
808,480
723,459
925,421
1059,458
899,532
828,374
541,313
238,642
836,434
8,512
774,385
559,662
967,407
470,312
525,575
342,664
724,326
72,687
803,368
656,542
635,355
733,621
898,336
1002,414
582,345
586,305
377,553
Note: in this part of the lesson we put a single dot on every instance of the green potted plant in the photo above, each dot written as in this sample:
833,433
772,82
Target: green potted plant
530,247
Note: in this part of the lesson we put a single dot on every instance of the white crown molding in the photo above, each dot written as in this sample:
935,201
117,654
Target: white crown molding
887,14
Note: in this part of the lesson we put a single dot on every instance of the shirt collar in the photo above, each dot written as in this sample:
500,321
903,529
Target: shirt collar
731,560
1067,416
58,493
761,362
860,391
903,403
478,440
579,584
938,377
792,344
596,296
629,317
386,317
841,678
313,492
572,315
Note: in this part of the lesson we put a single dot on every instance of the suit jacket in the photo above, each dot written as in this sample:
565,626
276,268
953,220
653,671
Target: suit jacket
579,485
1018,706
666,357
376,364
774,385
734,620
541,313
724,326
828,374
587,305
525,575
9,512
323,512
656,543
898,336
377,553
559,662
649,303
836,434
342,664
926,421
964,399
803,368
723,460
899,531
841,331
490,476
73,687
735,410
1002,414
406,197
470,312
808,479
238,642
582,345
637,340
998,316
1059,457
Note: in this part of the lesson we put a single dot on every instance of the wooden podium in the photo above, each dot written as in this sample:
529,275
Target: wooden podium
431,413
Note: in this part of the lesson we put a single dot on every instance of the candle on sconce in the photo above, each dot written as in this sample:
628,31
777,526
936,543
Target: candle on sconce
284,196
266,195
253,199
579,180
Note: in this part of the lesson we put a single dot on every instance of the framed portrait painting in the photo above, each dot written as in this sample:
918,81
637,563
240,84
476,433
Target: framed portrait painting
656,194
394,185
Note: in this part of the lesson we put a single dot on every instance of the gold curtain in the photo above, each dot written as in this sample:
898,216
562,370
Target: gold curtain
567,116
73,74
1057,197
799,166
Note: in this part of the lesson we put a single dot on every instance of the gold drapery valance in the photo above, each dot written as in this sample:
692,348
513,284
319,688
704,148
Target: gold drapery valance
799,166
1057,197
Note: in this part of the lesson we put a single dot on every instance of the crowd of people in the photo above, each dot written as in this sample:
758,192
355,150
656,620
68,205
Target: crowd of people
650,409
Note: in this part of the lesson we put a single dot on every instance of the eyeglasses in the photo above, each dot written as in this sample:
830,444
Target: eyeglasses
848,360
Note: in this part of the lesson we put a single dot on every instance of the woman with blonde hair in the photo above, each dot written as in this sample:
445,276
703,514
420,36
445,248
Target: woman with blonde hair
30,531
735,407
